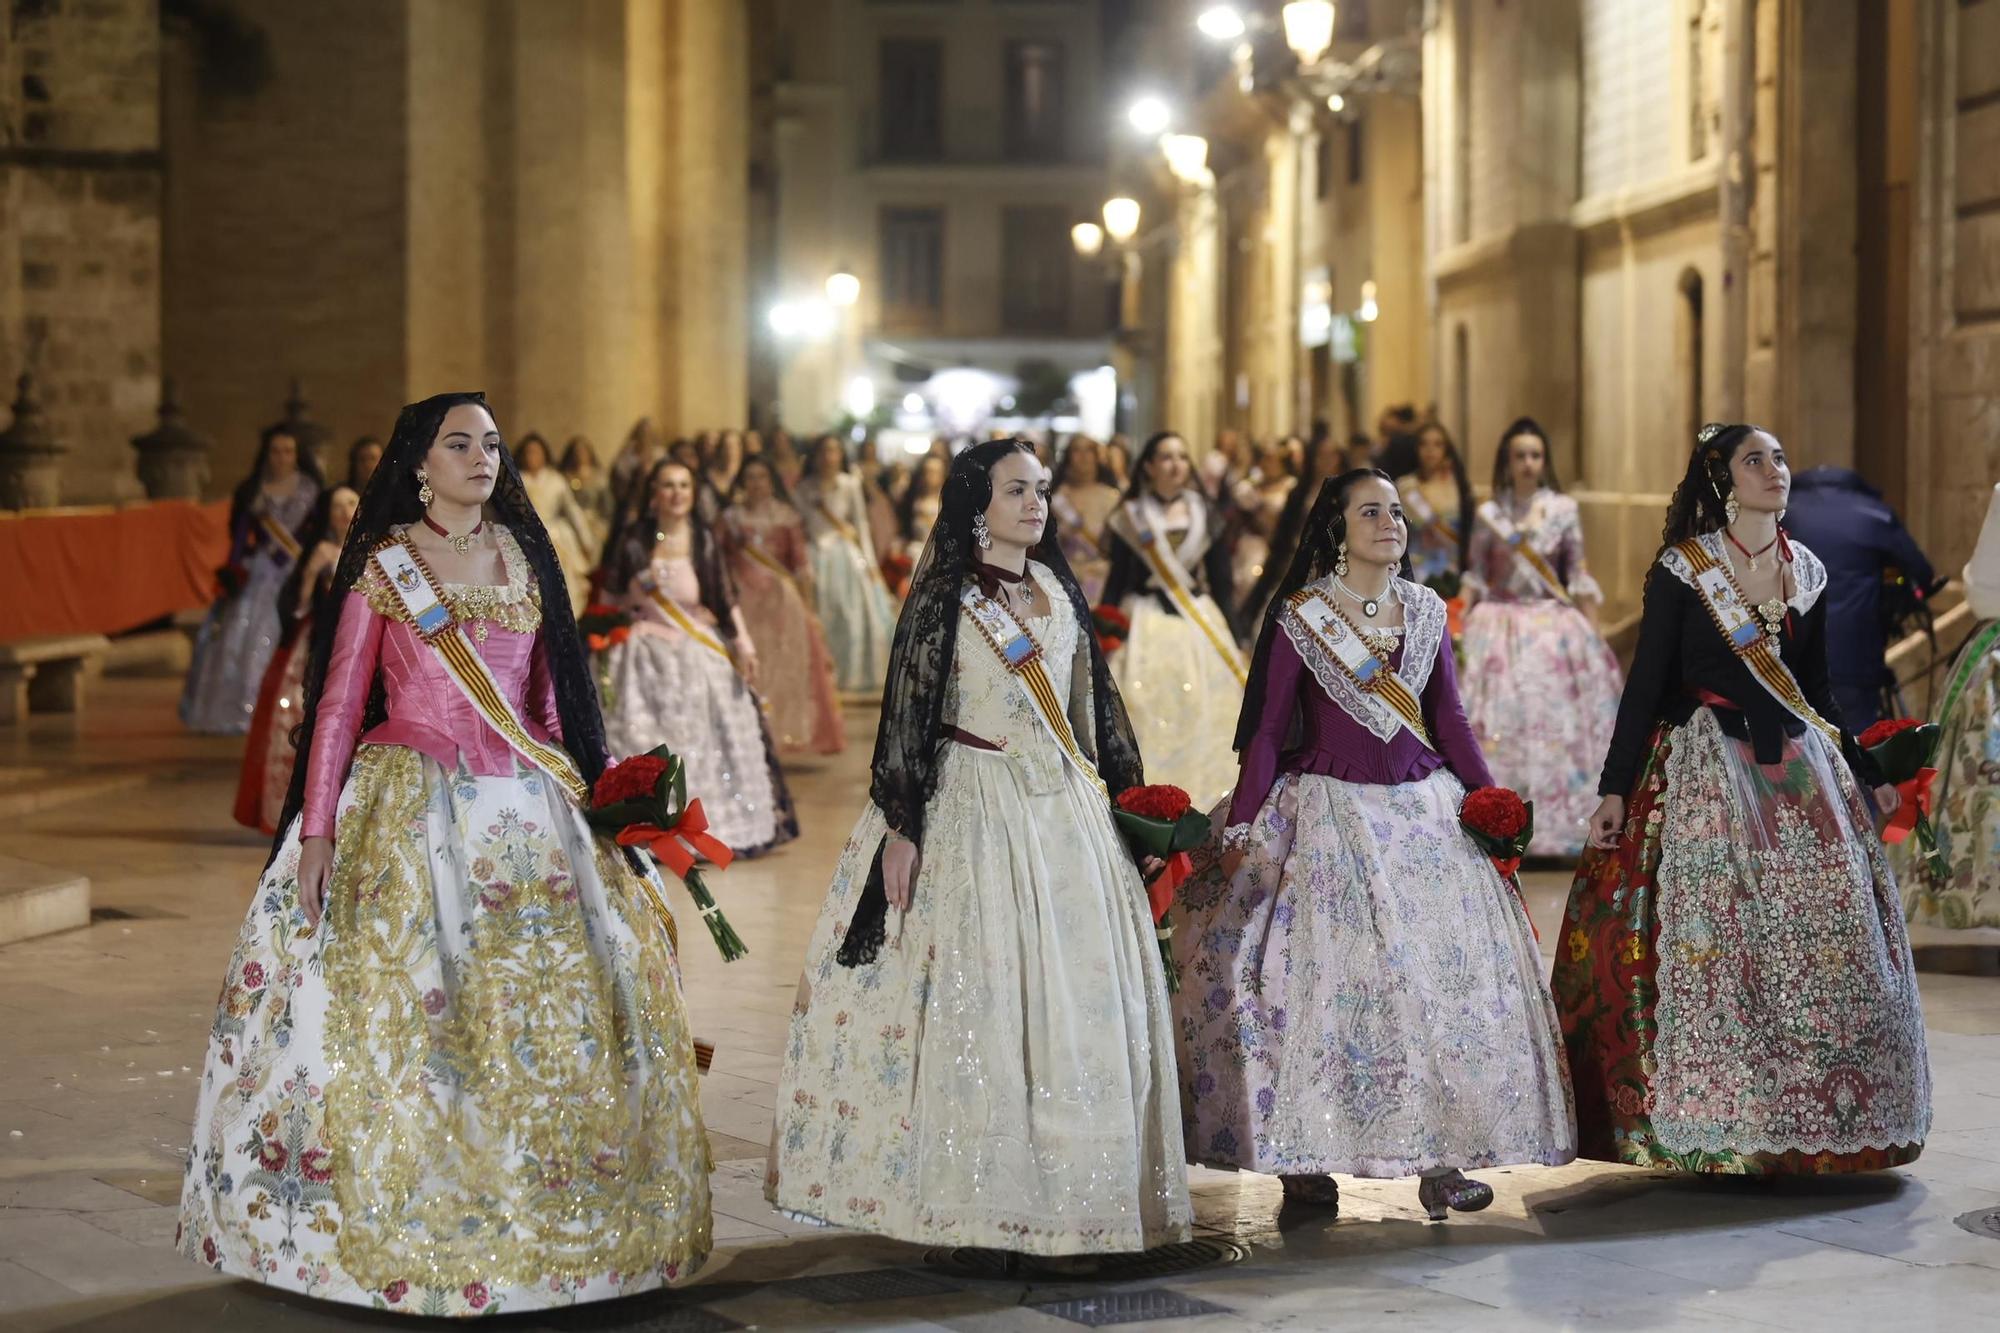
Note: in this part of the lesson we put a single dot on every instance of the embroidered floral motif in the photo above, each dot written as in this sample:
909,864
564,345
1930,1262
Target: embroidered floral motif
514,605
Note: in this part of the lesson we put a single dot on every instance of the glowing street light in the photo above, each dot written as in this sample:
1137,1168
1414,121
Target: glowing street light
1220,22
1149,115
1336,103
1121,218
1187,156
842,287
1369,310
1309,29
1088,238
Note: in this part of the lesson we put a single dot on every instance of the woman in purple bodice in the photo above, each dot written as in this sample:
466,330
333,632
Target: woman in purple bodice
1361,989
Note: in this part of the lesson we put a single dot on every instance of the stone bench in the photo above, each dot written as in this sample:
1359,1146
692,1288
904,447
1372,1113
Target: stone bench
46,674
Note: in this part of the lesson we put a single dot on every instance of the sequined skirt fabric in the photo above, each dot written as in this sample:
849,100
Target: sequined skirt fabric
472,1089
231,650
1003,1074
1364,995
1182,699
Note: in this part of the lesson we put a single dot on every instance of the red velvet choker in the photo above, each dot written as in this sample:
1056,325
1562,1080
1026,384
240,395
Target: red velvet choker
992,576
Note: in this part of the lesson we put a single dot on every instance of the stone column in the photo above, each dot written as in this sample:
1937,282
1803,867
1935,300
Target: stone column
173,457
30,456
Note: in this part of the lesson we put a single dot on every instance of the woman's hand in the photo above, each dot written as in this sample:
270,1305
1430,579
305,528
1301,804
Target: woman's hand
315,868
746,662
1887,799
1150,866
900,863
1606,821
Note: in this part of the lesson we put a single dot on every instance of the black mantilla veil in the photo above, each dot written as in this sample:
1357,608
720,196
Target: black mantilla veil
1325,529
390,501
245,495
904,769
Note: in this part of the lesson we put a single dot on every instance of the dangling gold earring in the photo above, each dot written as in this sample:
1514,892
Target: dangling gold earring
1731,508
1340,560
424,492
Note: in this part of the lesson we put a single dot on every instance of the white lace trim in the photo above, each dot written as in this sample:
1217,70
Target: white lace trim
1807,570
1423,631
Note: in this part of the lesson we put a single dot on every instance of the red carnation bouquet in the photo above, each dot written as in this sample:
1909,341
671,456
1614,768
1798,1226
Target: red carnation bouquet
642,802
604,626
1113,628
1903,748
1161,821
1503,825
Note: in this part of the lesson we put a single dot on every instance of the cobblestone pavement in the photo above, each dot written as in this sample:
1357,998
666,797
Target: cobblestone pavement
102,1031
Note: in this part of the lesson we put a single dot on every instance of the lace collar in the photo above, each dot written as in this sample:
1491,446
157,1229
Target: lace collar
1808,572
1423,632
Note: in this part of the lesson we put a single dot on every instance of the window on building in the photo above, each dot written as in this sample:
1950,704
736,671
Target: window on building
912,267
910,99
1035,263
1034,76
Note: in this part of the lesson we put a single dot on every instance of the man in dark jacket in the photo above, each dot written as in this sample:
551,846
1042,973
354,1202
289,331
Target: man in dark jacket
1854,532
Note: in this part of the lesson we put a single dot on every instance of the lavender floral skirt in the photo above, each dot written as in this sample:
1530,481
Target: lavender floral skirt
1365,995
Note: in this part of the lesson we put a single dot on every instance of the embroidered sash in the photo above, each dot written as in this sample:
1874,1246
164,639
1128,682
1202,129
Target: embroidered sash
769,561
1525,555
852,535
280,535
1022,656
678,617
1428,518
417,589
1381,689
1165,565
1746,636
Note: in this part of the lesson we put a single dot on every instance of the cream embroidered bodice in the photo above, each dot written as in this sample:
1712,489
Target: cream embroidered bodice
985,699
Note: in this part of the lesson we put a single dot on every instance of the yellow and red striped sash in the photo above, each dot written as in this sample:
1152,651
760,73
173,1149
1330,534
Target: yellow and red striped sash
1165,564
1729,609
1022,657
1342,644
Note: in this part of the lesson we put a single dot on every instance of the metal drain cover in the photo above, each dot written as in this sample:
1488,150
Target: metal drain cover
1162,1261
1983,1222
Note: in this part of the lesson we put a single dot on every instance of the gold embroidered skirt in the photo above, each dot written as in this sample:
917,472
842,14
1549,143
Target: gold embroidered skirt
472,1088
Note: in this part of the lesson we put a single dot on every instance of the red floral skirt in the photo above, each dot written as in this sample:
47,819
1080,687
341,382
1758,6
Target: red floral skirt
1607,991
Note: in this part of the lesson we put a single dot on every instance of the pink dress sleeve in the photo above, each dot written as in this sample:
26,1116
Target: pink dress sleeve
541,697
1260,757
350,673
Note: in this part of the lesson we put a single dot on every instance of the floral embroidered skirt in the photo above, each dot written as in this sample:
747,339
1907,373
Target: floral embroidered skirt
1181,696
1541,692
1967,813
856,610
1002,1074
662,688
472,1089
1365,995
1734,980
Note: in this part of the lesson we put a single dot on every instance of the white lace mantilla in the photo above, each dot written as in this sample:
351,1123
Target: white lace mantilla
1423,631
1807,570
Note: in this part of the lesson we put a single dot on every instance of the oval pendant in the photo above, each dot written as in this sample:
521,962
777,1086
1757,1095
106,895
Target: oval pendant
1370,608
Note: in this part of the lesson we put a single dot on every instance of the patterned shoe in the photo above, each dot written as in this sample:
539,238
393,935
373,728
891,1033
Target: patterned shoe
1454,1192
1313,1191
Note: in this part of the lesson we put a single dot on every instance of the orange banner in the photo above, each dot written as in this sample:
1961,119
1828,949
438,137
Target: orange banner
100,571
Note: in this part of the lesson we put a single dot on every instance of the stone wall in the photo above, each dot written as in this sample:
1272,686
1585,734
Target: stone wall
80,228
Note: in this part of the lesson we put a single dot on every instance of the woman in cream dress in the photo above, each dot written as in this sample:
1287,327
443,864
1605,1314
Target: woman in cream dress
571,530
980,1050
854,603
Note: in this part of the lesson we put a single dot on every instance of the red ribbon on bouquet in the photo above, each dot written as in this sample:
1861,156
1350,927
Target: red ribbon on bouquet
666,843
1160,889
1916,803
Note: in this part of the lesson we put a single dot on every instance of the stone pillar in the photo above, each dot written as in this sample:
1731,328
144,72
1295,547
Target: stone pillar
30,457
173,457
312,437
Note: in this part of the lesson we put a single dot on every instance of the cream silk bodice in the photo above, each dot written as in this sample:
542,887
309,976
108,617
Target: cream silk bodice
985,699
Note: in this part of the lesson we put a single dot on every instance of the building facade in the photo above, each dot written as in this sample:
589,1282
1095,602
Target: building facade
938,153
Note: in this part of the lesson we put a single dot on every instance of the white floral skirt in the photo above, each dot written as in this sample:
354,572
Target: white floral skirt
1182,698
1002,1075
472,1089
1365,996
663,688
1541,692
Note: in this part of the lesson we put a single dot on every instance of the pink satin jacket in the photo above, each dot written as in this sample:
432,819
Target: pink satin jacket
426,709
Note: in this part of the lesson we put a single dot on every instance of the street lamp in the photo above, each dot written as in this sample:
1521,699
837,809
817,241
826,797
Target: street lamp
1149,115
1121,218
842,287
1088,238
1187,156
1369,311
1309,29
1221,22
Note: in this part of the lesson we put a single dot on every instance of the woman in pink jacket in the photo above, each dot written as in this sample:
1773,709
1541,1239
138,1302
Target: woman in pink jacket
450,1072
